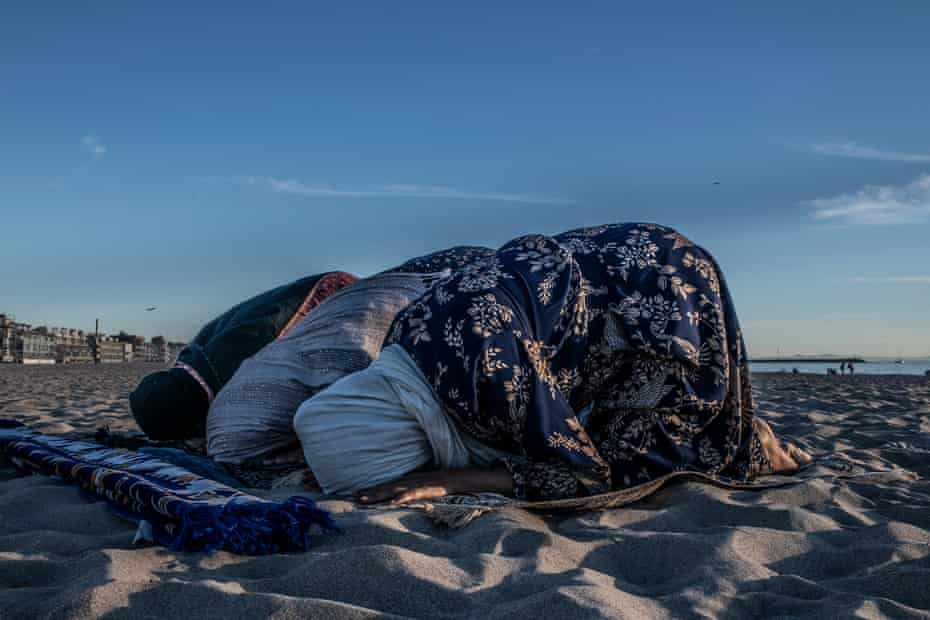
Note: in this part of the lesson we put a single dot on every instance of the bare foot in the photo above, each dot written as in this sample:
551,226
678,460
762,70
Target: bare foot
783,458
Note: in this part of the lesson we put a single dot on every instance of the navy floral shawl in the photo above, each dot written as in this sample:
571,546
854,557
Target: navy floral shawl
600,358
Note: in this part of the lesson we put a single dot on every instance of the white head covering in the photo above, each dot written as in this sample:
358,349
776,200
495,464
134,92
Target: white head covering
379,424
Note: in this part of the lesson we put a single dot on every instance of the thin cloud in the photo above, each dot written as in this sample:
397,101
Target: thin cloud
877,204
92,145
862,151
394,190
891,280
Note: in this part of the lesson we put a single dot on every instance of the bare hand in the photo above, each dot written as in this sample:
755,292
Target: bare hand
438,483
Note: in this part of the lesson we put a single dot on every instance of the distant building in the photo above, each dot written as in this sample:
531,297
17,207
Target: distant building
107,350
33,347
71,345
6,338
133,347
157,352
141,351
163,352
127,351
174,349
20,342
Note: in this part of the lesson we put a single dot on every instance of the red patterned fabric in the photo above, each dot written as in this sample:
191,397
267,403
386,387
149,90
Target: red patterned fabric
325,287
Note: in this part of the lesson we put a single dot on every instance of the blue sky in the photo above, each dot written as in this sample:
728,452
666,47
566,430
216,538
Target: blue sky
185,158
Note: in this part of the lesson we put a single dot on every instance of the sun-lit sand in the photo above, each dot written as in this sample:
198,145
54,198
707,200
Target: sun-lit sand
817,549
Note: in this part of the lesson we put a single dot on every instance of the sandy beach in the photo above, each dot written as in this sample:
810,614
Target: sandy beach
818,549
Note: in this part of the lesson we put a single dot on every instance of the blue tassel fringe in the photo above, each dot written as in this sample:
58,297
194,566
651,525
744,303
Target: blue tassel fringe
249,528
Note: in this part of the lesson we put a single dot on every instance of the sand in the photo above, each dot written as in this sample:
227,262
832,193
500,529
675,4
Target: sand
818,549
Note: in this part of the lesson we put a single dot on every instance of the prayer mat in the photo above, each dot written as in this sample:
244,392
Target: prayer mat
173,506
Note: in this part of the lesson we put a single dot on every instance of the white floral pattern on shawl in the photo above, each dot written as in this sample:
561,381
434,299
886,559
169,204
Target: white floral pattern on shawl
632,318
453,259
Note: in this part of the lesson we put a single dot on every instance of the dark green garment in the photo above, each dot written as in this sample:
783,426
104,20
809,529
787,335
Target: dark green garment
239,333
171,404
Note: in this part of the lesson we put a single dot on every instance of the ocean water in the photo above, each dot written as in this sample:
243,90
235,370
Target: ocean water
878,367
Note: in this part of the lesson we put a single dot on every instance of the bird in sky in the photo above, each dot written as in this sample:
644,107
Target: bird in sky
151,308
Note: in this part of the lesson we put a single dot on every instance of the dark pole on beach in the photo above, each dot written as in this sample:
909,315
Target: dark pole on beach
97,341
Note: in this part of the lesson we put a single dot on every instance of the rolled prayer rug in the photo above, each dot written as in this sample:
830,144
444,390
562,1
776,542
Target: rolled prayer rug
172,506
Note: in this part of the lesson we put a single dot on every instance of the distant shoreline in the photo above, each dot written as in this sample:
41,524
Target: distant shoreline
859,377
807,360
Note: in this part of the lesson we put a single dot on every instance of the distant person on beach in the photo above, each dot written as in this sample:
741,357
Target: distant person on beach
173,404
850,366
558,367
843,368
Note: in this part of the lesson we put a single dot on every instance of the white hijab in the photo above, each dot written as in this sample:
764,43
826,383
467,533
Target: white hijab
379,424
